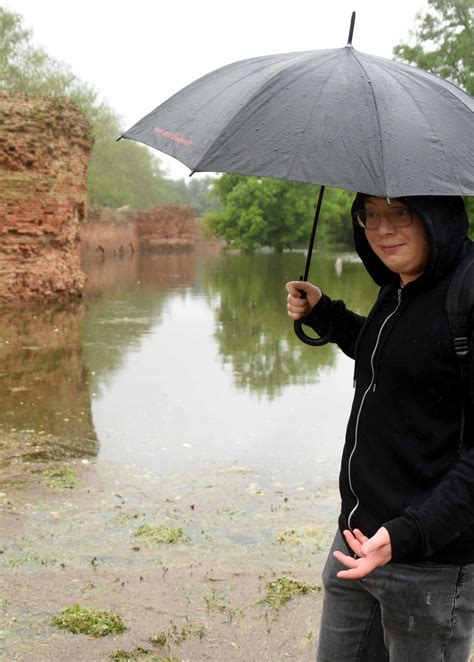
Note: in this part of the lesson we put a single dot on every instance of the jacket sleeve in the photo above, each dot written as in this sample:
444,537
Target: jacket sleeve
420,531
345,325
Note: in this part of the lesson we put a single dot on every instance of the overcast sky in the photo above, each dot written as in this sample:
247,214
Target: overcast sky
136,54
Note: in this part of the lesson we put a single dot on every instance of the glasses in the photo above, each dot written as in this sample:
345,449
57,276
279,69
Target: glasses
369,219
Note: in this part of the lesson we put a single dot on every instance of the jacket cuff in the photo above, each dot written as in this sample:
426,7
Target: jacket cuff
319,312
406,539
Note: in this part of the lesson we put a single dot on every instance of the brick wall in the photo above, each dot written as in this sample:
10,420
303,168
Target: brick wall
45,144
166,228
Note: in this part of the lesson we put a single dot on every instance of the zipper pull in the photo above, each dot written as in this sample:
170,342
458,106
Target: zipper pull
399,295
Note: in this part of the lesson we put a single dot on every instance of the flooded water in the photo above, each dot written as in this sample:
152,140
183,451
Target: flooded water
182,363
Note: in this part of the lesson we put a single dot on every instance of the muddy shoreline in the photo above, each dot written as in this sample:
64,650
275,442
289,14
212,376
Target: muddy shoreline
69,537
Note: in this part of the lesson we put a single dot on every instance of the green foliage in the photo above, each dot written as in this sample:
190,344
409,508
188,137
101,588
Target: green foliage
197,193
444,45
27,69
120,173
259,212
125,172
444,42
83,620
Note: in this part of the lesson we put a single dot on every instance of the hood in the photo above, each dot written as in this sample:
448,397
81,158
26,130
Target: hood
446,223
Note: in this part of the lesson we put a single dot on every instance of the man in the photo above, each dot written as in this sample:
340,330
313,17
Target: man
399,582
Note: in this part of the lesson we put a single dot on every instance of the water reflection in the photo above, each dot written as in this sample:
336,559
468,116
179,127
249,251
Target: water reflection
125,301
179,361
44,382
252,331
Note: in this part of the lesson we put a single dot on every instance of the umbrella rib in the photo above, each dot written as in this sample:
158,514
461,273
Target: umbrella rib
376,114
407,91
309,119
239,110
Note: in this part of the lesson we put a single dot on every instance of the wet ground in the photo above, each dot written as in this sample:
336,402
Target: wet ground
70,537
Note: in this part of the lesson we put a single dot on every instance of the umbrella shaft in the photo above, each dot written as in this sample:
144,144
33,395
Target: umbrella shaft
313,233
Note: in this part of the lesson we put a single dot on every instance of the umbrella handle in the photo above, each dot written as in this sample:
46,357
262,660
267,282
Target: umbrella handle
303,336
310,340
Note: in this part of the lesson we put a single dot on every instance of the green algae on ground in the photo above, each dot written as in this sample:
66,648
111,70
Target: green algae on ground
140,654
160,534
17,561
174,635
83,620
301,536
214,602
280,591
136,654
61,479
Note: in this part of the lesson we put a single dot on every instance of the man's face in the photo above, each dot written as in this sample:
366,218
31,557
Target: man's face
403,250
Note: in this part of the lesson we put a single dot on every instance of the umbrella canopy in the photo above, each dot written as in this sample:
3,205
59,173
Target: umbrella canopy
334,117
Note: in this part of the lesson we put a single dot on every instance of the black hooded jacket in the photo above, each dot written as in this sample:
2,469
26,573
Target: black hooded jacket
408,459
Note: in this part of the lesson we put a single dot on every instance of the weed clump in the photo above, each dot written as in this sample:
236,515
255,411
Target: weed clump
176,635
83,620
214,602
139,654
60,479
159,534
123,655
280,591
294,537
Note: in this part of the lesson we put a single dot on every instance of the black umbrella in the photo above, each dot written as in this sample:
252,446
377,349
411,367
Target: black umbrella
333,117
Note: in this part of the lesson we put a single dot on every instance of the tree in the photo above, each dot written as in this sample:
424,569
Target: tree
257,212
197,193
119,173
444,42
444,45
27,69
124,173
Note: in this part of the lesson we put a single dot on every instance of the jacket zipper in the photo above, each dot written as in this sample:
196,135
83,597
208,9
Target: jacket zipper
367,390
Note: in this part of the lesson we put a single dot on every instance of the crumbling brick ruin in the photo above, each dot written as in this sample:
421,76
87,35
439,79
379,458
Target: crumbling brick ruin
45,144
166,227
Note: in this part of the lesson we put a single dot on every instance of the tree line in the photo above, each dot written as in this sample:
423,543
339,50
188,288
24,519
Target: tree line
248,212
119,175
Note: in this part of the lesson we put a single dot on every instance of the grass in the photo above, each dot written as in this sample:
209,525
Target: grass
283,589
214,602
140,654
174,635
294,537
83,620
15,562
61,479
159,534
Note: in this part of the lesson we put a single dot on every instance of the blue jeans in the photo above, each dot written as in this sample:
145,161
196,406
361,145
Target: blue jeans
402,612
